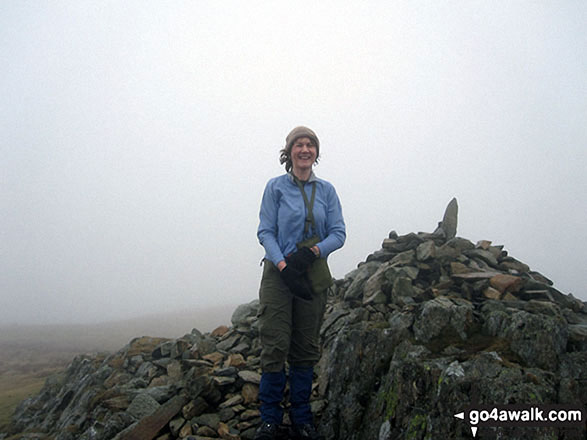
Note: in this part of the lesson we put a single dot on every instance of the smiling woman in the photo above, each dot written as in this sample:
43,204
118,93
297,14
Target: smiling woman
295,142
301,223
303,155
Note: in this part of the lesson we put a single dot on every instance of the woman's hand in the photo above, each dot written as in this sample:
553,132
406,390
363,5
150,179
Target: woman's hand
302,259
296,282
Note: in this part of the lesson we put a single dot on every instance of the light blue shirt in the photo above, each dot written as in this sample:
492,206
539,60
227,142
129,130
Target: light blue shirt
283,214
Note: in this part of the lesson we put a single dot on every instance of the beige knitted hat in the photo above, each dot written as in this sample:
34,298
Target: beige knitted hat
299,132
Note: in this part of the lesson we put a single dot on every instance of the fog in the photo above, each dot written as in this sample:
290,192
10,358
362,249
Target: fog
136,139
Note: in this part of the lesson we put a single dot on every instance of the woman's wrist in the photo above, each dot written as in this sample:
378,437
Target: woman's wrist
281,265
316,250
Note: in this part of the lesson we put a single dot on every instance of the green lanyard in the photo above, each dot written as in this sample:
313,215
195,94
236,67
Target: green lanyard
309,205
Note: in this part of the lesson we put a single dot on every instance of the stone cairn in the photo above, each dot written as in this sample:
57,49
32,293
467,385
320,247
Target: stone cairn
425,326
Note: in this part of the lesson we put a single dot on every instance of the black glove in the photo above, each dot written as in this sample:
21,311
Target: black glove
296,282
302,259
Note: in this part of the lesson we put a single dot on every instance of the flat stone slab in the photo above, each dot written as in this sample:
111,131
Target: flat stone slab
475,275
148,427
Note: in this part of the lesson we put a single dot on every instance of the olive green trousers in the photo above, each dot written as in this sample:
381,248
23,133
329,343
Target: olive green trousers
289,326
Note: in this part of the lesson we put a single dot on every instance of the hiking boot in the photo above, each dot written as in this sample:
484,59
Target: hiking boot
267,431
305,431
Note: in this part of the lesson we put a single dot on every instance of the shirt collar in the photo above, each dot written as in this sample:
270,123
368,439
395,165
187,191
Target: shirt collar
312,178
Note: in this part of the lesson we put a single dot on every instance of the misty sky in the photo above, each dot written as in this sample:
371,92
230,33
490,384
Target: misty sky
136,139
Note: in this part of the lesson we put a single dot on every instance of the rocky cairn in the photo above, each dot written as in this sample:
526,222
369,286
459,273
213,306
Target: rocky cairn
426,326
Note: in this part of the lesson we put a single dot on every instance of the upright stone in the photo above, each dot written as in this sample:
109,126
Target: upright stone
447,228
450,219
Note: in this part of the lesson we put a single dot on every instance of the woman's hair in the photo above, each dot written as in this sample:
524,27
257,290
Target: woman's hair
296,133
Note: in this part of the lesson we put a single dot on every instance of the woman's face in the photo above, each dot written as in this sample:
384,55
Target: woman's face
303,153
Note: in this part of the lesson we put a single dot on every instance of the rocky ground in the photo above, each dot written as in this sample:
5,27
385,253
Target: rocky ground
426,326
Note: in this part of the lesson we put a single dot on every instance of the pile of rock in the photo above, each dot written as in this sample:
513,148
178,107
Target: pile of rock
199,386
432,323
427,325
424,326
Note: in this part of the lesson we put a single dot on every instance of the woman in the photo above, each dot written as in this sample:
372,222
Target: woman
291,309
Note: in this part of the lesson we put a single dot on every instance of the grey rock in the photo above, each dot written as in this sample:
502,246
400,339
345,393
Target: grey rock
577,337
373,288
243,312
178,347
380,256
226,371
400,324
211,420
142,405
449,222
539,340
250,376
228,343
404,259
150,425
352,362
225,414
460,244
359,277
242,347
234,400
160,393
223,381
175,425
484,256
115,424
164,350
147,370
402,287
426,250
444,317
385,431
332,318
510,264
204,346
573,377
377,297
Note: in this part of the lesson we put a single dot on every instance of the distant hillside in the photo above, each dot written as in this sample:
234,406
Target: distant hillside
20,343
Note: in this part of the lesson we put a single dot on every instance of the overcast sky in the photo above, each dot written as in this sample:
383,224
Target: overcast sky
136,139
